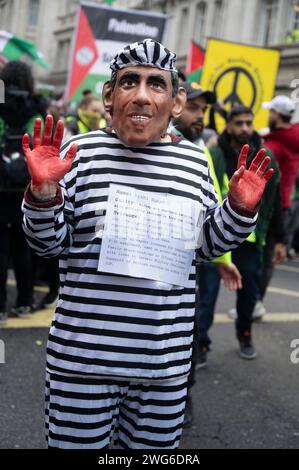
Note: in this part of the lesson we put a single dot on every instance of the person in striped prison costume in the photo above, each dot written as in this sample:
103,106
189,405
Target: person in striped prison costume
119,348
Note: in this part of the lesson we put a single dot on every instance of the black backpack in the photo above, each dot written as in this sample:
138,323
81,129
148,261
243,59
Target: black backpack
14,173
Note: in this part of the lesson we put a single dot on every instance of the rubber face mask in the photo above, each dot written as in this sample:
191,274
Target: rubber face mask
90,118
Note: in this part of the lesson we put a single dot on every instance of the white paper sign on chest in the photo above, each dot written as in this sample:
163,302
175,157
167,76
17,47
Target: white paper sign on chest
150,235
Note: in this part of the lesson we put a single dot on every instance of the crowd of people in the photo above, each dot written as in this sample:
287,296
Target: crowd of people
152,137
248,268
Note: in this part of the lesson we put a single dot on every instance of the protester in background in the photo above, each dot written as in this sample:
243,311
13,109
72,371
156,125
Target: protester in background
120,345
248,256
17,115
89,116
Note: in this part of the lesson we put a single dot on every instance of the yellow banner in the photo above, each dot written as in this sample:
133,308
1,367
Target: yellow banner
240,75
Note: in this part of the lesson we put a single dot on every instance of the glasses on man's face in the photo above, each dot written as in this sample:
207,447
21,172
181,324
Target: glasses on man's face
240,123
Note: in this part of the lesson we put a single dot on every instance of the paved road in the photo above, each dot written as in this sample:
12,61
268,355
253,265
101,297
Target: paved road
238,403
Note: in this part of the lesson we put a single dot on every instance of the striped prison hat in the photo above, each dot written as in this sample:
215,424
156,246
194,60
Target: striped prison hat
147,52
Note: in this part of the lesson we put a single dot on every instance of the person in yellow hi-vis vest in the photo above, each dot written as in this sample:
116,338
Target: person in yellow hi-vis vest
248,257
190,126
88,117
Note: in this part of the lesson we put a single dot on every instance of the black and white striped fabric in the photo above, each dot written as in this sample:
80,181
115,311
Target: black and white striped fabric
148,52
94,413
118,326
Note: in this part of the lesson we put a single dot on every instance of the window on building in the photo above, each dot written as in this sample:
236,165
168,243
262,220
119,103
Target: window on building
2,14
33,12
217,18
292,29
295,15
71,6
268,21
199,26
62,57
184,35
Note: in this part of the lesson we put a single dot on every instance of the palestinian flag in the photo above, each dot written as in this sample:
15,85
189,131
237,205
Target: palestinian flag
195,62
14,48
100,32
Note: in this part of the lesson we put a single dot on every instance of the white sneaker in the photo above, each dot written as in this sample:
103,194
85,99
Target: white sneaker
232,313
259,311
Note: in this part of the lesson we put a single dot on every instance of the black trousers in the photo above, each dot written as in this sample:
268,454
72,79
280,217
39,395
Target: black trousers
248,259
13,245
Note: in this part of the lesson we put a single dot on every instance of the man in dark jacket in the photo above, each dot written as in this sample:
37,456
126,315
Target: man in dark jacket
248,256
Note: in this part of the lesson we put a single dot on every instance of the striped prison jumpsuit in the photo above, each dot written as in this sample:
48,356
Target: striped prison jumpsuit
119,347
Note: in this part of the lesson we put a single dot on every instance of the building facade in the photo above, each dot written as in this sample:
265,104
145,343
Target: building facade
50,25
257,22
267,23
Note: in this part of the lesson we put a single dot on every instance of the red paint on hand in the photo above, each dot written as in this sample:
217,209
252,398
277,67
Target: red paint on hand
246,187
44,162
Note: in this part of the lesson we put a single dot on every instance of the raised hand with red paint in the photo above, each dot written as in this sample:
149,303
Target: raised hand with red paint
44,163
246,187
